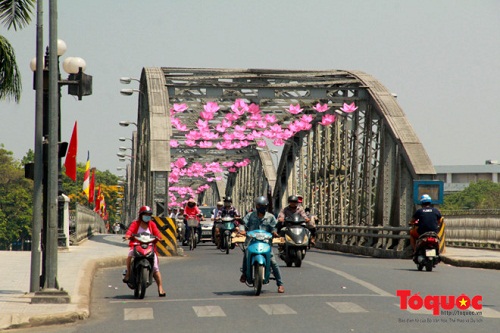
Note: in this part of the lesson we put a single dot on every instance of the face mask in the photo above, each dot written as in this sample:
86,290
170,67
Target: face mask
261,210
146,218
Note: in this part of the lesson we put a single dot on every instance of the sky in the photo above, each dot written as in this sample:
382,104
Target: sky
441,58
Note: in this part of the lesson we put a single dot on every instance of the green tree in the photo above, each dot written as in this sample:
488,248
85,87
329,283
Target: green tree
16,201
13,14
481,195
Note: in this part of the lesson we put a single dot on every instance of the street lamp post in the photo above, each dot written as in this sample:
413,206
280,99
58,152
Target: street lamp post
79,84
125,123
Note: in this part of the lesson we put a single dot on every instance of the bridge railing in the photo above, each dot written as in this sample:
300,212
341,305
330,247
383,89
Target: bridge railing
84,223
384,242
473,230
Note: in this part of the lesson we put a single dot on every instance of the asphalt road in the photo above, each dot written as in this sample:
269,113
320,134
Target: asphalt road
331,292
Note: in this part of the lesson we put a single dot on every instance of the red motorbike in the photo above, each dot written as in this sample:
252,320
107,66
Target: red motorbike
142,264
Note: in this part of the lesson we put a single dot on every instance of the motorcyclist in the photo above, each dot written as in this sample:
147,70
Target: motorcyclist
261,219
227,210
191,210
215,214
143,224
424,220
292,208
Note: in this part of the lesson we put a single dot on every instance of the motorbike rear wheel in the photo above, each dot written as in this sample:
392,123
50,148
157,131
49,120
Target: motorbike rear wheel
192,240
428,266
228,243
258,278
143,283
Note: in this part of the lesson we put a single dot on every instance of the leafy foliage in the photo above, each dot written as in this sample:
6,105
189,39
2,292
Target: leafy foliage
16,196
16,13
13,14
16,200
481,195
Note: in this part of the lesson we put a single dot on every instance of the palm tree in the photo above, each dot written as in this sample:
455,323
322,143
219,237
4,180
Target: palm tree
13,14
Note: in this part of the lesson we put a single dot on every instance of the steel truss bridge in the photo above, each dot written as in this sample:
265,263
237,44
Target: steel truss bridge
358,172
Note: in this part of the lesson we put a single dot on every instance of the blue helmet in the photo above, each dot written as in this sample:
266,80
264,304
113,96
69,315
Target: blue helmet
425,198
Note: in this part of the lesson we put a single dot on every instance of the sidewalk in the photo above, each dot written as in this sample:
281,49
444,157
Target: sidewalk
76,268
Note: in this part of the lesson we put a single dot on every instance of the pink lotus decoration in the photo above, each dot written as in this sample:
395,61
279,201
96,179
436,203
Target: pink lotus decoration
190,143
321,107
174,143
231,116
239,107
205,144
220,128
294,109
179,108
348,108
253,108
327,119
211,107
261,143
270,118
206,115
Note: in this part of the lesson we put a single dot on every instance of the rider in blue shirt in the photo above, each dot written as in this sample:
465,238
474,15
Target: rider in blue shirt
263,220
425,219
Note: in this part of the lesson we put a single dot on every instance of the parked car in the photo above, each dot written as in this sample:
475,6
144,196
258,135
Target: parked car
207,224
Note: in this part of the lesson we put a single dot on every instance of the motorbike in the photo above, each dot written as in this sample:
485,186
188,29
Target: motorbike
297,238
142,265
181,230
427,251
192,234
257,247
226,230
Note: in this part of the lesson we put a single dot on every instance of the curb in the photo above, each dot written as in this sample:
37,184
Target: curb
81,295
486,264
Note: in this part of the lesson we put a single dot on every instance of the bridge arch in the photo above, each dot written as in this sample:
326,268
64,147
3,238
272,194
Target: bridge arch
357,171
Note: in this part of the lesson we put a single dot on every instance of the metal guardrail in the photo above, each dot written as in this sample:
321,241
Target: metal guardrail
84,223
474,231
383,242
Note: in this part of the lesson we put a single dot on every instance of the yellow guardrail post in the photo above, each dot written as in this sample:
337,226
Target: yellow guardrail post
168,229
442,240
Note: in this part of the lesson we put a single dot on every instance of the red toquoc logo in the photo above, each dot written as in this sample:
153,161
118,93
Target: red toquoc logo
436,303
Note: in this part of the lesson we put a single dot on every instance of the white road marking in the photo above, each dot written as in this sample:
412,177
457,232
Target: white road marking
346,307
209,311
354,279
277,309
490,313
242,298
138,313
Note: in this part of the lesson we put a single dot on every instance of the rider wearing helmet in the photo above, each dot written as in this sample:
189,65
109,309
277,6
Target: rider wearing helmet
191,210
227,210
290,210
143,224
425,219
260,218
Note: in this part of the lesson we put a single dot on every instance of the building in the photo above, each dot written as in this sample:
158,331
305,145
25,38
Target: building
458,177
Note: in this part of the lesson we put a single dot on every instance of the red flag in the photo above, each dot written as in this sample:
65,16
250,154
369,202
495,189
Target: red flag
70,161
91,186
97,206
